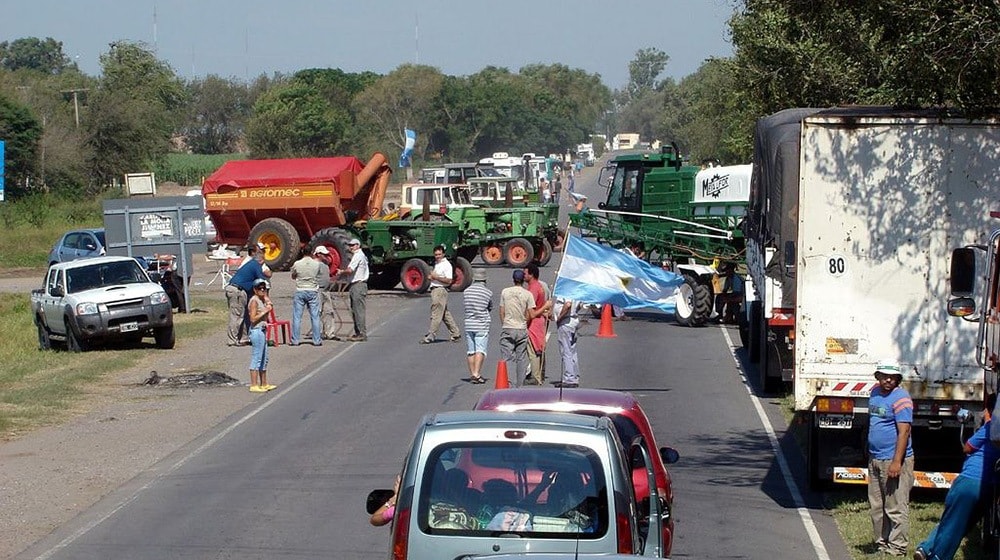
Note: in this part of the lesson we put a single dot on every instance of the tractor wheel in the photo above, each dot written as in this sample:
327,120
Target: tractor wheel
415,276
543,252
281,242
164,337
335,240
518,252
462,278
385,279
491,254
694,303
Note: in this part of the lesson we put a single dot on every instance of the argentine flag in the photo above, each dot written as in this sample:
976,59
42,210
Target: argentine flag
594,273
411,141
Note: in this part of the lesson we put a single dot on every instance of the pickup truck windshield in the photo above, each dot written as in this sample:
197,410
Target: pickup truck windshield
106,274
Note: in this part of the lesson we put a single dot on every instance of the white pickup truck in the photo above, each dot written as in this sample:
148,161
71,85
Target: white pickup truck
101,299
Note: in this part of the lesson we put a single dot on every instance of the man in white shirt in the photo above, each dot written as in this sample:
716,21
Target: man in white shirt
441,278
357,289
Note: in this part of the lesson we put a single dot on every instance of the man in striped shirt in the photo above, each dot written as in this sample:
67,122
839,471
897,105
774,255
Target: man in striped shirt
478,301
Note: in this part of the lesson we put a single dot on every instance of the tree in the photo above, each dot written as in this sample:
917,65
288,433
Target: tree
21,133
45,56
643,71
404,98
218,114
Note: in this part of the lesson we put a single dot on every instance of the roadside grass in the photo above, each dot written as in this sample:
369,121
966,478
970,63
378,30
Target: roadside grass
45,388
33,224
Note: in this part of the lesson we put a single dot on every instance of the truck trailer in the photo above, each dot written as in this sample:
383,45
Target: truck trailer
852,214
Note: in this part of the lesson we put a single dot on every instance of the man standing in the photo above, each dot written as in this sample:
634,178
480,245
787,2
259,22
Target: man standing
537,326
357,289
305,272
441,278
515,310
890,461
238,292
478,303
567,321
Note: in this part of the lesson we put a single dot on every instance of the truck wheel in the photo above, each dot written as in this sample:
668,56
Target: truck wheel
73,342
335,240
281,242
770,370
743,325
518,252
813,463
415,276
753,336
462,275
694,303
164,337
44,341
543,252
491,254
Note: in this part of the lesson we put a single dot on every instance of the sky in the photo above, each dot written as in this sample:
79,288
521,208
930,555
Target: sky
245,38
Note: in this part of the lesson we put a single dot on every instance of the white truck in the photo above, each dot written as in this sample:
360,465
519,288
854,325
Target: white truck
101,299
852,214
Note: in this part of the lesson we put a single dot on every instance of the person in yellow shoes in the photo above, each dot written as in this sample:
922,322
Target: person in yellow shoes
258,309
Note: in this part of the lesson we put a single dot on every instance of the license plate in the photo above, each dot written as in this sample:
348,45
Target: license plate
835,421
129,327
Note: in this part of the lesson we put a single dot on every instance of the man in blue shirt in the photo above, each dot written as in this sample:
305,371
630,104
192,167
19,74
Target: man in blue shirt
238,292
890,459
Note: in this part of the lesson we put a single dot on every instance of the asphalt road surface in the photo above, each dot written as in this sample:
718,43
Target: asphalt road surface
287,477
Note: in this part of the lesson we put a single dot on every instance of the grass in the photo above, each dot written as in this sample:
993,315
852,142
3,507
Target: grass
44,388
32,225
191,169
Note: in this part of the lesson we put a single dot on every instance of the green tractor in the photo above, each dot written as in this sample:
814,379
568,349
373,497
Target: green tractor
681,216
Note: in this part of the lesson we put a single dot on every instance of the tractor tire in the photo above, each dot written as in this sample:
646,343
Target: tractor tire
385,279
543,252
73,342
44,341
492,254
462,275
415,276
518,252
164,337
694,303
335,240
282,245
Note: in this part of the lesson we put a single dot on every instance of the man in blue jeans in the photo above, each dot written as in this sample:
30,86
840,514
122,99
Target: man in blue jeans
305,272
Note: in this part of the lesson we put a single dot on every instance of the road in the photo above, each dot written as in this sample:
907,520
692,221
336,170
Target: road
287,476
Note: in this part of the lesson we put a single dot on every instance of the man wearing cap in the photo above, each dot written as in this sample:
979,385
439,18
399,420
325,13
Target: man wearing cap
357,289
478,303
441,277
305,272
238,293
890,459
516,304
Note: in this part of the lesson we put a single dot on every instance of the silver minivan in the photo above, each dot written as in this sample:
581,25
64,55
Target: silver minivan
489,482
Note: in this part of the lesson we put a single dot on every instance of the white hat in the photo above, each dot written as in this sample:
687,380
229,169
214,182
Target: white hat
354,241
321,250
889,366
261,246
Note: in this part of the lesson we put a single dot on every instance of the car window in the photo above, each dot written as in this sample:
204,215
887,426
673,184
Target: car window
72,241
486,488
100,236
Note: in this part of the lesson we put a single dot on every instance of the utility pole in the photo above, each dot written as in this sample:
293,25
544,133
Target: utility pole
76,102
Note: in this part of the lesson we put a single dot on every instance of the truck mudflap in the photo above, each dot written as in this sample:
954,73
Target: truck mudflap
921,479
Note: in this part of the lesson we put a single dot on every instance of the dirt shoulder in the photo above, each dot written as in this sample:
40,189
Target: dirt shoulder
123,427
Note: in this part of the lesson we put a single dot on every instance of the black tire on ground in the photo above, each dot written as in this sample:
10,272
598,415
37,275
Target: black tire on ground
73,342
770,370
694,303
44,341
469,252
743,325
335,240
518,252
462,275
756,322
816,482
385,279
543,252
491,254
281,242
164,337
415,276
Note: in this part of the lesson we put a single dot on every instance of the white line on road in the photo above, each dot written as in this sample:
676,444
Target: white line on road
786,472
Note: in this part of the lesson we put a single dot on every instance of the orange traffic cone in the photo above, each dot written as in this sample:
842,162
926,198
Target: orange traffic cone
607,329
502,381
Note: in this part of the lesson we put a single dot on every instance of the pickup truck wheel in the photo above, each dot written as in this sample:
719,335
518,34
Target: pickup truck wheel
491,254
518,252
543,252
44,341
462,275
281,242
73,342
415,276
164,337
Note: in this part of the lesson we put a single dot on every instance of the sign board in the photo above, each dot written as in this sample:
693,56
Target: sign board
140,183
2,145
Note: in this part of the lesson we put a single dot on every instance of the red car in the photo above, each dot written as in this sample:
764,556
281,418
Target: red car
629,419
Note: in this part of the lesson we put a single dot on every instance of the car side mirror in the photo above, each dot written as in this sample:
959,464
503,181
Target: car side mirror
669,455
57,291
601,205
964,307
155,276
376,499
91,247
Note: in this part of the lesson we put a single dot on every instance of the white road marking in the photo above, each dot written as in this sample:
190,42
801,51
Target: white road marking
786,472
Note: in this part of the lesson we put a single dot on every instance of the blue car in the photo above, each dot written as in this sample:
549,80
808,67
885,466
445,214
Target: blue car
78,244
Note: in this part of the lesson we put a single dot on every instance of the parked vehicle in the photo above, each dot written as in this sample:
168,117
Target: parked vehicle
101,299
78,244
485,482
851,212
629,420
